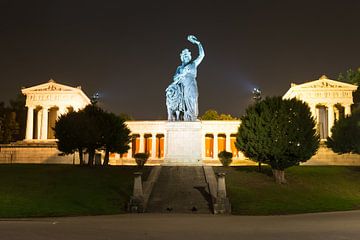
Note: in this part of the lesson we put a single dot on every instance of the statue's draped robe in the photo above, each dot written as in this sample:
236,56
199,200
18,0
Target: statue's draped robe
185,78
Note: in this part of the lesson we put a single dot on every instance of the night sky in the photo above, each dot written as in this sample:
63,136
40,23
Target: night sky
128,52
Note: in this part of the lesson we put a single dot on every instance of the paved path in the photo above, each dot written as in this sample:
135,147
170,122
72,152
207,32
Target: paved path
327,226
181,190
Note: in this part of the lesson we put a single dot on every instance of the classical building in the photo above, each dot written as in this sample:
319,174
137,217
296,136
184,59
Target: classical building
45,103
168,142
328,100
181,142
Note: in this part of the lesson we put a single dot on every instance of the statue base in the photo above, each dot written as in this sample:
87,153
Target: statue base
183,141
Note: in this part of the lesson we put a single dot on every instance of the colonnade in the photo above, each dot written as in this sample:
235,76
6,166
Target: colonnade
155,145
41,120
330,112
151,143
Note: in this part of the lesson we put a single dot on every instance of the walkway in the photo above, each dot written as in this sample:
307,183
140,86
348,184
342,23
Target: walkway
323,226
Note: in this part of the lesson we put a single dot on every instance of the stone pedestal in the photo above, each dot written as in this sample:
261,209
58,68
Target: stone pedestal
183,143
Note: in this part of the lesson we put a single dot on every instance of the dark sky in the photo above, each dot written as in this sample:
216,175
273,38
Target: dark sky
129,51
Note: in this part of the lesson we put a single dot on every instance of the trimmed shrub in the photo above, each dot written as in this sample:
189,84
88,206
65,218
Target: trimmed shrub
225,158
141,159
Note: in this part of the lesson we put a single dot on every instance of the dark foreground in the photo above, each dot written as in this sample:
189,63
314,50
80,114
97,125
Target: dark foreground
327,226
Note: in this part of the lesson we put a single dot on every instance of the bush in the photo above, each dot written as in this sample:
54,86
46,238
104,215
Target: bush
225,158
141,159
345,136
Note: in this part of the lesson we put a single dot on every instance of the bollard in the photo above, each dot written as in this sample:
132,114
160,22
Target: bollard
221,189
138,190
136,204
221,205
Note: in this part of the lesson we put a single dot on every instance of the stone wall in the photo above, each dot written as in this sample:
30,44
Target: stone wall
326,156
23,152
47,153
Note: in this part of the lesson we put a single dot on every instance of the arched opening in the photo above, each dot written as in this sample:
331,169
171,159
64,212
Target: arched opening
53,113
147,144
209,145
339,111
221,143
322,122
37,122
135,143
160,145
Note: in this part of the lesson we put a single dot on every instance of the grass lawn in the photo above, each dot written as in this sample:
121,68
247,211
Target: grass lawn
28,190
309,189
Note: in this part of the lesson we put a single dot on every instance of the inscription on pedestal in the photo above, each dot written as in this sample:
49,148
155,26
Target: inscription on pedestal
183,141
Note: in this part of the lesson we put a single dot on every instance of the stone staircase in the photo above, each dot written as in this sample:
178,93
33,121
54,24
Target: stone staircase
180,189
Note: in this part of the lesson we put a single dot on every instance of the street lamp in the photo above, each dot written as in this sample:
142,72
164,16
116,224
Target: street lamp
256,94
95,98
257,98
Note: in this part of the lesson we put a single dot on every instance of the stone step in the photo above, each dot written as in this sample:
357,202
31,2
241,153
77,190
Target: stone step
180,189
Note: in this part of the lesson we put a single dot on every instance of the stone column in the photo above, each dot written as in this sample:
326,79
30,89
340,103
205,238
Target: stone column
347,110
142,143
221,189
203,146
317,120
216,146
221,205
136,204
331,119
38,127
29,123
228,145
153,145
44,123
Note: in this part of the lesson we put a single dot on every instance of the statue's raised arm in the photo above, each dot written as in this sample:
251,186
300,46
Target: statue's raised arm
201,56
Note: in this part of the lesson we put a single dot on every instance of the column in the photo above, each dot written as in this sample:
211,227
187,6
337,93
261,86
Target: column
203,146
153,145
29,123
38,126
331,119
142,143
228,145
317,120
216,148
44,123
347,109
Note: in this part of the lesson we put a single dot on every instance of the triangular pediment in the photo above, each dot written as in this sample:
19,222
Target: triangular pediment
50,86
325,83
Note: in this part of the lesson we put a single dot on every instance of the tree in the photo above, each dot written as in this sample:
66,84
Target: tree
9,127
17,106
94,119
116,135
278,132
90,129
345,136
71,130
352,77
126,116
212,114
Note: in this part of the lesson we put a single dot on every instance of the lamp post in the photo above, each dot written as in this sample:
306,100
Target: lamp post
257,98
95,98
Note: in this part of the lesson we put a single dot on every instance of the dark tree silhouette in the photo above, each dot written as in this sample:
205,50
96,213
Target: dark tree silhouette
278,132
